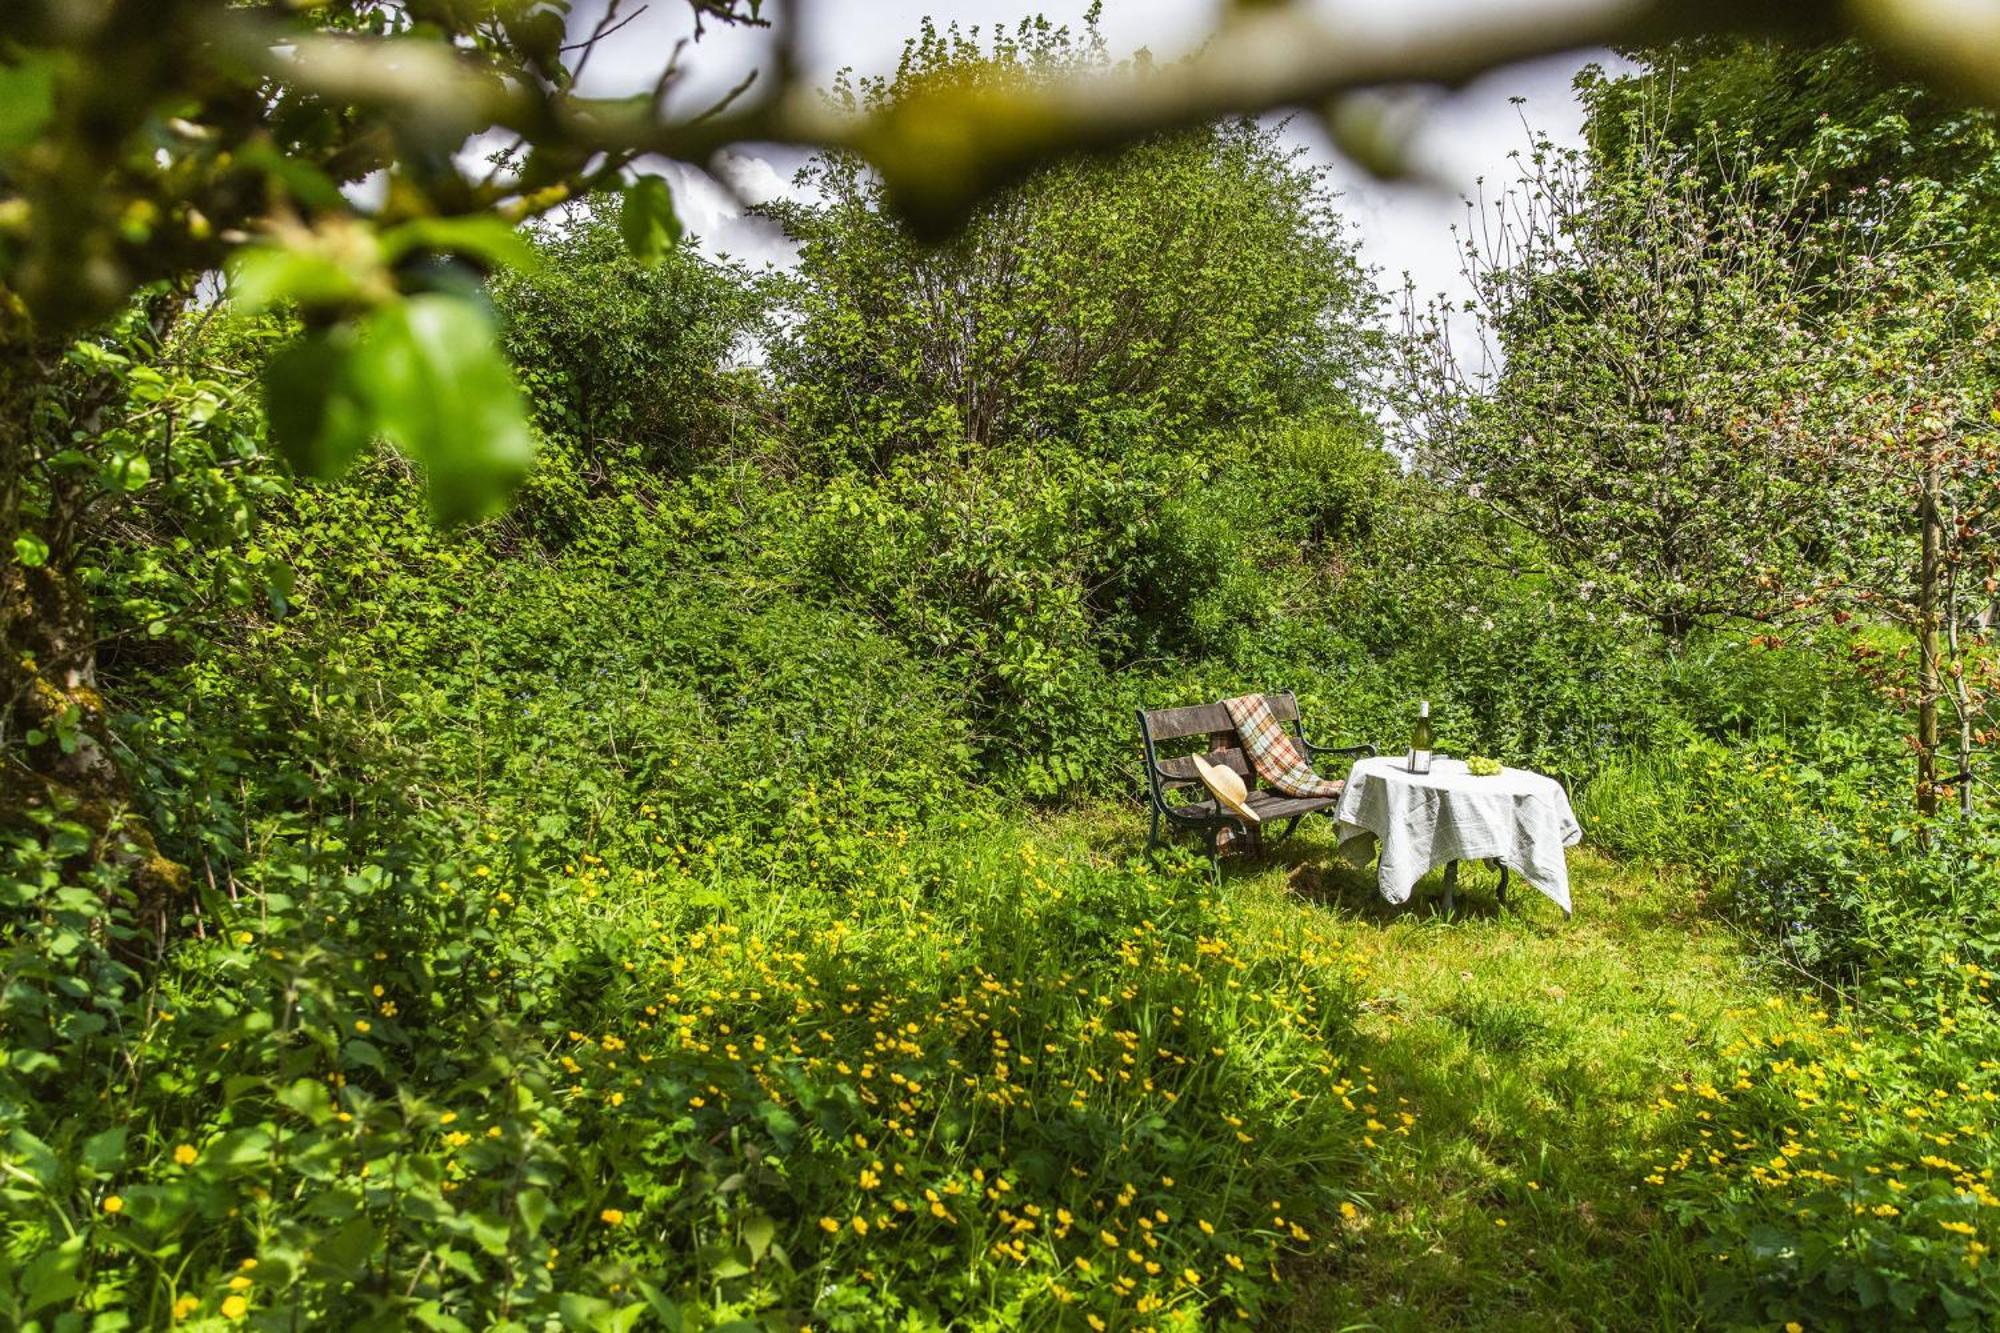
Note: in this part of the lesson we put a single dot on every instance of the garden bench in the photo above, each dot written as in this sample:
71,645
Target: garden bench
1167,778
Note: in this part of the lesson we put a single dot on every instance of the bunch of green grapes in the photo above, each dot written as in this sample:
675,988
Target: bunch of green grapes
1480,766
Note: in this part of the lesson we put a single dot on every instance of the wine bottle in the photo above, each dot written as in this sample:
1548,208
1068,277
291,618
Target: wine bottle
1420,739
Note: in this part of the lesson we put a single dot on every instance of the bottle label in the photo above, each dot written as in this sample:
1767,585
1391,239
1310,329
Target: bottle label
1420,761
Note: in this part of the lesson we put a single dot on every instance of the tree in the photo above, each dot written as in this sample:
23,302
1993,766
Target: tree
1192,281
1649,392
623,361
1919,174
1835,110
1922,433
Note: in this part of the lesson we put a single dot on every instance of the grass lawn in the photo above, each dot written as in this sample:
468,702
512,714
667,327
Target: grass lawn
1540,1058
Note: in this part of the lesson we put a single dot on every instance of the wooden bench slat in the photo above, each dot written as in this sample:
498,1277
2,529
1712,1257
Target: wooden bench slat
1168,724
1268,805
1182,767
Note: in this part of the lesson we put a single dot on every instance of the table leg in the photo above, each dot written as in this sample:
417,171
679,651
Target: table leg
1450,886
1497,864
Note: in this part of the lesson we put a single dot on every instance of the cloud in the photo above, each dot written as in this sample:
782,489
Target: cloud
713,214
754,180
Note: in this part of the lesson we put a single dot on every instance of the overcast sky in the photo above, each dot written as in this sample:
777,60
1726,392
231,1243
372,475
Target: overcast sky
1401,227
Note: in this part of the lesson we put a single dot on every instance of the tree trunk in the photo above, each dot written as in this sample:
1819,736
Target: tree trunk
55,738
1674,624
1929,576
1961,695
1964,754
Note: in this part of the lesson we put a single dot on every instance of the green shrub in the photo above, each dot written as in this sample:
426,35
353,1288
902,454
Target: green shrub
1697,803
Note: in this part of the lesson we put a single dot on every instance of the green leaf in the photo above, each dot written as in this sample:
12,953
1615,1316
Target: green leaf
444,394
52,1275
239,1149
668,1313
27,101
306,182
309,1098
318,419
533,1205
539,35
105,1152
647,219
363,1053
617,1320
279,581
33,1156
261,276
758,1231
349,1248
482,236
127,472
488,1234
725,1261
431,1315
31,550
779,1122
577,1310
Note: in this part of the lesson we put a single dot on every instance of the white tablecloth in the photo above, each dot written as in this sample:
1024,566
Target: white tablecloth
1422,821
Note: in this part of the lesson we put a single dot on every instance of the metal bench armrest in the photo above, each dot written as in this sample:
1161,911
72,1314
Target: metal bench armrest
1363,749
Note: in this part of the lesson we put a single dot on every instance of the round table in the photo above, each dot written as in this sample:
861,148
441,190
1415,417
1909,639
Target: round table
1515,819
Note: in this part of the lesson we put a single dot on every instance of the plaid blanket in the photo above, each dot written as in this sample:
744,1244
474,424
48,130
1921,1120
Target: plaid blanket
1273,751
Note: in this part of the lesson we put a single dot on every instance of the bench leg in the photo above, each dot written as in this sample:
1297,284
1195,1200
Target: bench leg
1153,834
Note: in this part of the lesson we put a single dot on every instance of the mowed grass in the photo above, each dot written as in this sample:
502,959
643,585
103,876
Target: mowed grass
1539,1057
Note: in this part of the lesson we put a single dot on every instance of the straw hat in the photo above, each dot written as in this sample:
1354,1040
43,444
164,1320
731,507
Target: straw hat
1227,787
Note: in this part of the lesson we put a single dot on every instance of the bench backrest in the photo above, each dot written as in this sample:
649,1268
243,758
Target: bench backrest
1211,720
